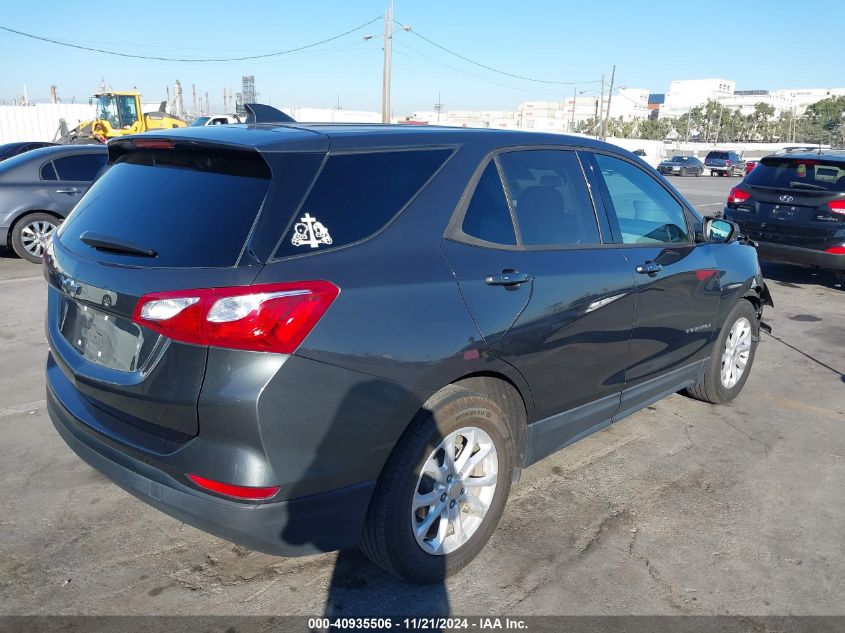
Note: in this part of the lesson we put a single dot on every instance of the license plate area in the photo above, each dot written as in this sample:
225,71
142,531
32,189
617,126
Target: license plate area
101,338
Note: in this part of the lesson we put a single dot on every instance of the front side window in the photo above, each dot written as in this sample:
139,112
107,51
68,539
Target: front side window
107,110
356,195
550,198
82,168
647,213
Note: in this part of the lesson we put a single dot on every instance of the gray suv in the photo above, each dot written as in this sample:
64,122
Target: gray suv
306,337
725,164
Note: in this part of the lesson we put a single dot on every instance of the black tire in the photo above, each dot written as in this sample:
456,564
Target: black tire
388,538
710,387
18,238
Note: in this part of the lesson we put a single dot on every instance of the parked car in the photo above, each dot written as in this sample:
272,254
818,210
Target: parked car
8,150
681,166
793,205
39,188
305,357
749,165
724,164
216,119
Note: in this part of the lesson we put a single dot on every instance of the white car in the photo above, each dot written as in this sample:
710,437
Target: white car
216,119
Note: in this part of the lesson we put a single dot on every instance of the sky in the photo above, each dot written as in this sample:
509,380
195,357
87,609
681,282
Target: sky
564,44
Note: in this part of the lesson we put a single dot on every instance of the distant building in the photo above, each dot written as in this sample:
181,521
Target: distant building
686,94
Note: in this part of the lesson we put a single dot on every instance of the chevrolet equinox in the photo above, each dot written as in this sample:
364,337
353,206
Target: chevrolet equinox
303,338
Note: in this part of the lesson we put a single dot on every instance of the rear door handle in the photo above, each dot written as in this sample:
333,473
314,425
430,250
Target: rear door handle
649,268
70,190
507,278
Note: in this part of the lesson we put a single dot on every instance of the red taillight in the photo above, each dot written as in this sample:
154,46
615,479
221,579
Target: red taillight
238,492
837,206
836,250
727,163
737,196
265,317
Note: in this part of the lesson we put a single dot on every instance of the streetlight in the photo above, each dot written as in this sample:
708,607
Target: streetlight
388,60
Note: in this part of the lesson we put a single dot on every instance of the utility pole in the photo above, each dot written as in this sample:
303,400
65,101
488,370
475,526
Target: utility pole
194,99
601,111
609,97
438,107
596,115
688,124
718,125
574,98
388,59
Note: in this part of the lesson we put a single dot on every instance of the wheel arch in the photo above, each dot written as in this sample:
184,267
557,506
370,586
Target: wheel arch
21,215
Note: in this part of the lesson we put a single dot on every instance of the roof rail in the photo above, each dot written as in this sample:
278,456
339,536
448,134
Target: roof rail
260,113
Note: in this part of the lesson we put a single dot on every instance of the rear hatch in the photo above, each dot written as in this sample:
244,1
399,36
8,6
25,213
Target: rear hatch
797,201
716,159
166,216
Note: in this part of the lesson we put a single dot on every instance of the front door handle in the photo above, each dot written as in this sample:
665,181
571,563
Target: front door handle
70,190
649,268
507,278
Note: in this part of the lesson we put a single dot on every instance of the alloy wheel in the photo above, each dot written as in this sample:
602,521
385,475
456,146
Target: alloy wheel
36,235
454,491
736,353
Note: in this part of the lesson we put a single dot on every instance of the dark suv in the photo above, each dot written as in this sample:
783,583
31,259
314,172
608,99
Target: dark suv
724,164
306,337
793,205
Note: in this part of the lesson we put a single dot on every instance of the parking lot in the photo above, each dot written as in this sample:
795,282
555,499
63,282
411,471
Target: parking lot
681,508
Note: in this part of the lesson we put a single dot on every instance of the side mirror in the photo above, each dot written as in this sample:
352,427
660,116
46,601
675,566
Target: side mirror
717,230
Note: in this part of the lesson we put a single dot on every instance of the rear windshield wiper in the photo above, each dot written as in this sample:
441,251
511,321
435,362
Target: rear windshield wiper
115,245
806,185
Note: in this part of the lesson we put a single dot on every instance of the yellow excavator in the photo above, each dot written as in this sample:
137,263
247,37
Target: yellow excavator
118,114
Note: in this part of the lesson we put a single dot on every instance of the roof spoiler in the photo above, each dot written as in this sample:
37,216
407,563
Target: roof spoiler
260,113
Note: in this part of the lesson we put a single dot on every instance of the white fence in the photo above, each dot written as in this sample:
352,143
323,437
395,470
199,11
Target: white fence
40,122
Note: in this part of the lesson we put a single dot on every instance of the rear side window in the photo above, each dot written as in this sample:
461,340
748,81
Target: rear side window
193,208
48,172
550,198
798,173
488,217
646,212
82,168
356,195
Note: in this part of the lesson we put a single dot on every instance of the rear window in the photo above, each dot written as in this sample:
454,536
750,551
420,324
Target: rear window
798,173
356,195
718,155
194,209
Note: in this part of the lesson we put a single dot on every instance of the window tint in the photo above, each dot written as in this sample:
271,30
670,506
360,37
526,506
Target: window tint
48,172
549,197
646,212
194,209
82,167
355,195
488,217
813,174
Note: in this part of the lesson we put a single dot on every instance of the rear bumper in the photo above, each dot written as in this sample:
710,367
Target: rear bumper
294,527
798,256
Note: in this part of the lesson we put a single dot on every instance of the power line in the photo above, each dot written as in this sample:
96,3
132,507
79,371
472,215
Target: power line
188,59
491,68
462,71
